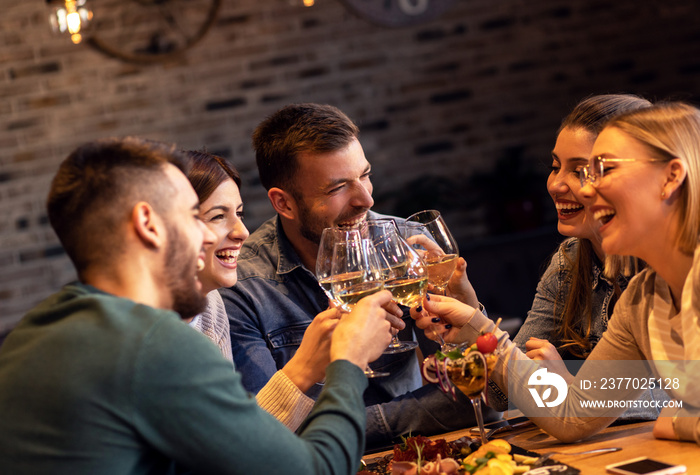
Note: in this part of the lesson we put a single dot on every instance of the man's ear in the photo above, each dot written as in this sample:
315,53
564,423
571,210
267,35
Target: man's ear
283,202
148,226
676,172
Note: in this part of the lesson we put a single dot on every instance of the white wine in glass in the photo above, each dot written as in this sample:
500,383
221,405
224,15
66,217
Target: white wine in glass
355,274
427,231
324,259
404,273
440,269
407,291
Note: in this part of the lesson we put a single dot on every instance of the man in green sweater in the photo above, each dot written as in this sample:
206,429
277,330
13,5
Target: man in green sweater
103,377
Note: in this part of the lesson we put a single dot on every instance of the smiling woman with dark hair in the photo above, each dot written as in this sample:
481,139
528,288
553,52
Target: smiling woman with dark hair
217,185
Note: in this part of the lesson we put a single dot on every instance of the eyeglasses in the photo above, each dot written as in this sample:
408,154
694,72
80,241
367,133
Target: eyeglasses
595,171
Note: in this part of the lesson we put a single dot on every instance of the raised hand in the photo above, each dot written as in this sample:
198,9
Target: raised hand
442,317
459,286
308,365
362,335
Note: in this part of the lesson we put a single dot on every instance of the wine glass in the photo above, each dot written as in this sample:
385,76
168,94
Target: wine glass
355,274
402,269
428,232
468,369
324,259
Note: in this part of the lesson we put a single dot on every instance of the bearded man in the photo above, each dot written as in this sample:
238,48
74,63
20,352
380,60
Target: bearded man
312,164
103,377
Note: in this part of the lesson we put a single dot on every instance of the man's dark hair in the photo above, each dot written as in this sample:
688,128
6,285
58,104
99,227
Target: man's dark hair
295,129
96,188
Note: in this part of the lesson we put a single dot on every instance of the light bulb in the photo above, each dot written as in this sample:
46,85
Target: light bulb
73,22
71,17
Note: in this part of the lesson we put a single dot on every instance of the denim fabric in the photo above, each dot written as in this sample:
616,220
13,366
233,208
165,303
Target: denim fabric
425,411
542,321
269,309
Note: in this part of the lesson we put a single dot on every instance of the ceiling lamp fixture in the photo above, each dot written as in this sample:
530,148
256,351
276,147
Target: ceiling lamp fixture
69,16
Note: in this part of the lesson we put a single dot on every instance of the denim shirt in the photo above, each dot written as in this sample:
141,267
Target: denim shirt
543,319
269,309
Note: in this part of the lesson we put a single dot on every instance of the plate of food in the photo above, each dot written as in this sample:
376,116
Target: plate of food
423,456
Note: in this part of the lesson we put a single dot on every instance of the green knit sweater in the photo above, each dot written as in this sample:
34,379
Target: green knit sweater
95,384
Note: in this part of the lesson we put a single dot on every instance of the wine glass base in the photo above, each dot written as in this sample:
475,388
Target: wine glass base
400,347
375,374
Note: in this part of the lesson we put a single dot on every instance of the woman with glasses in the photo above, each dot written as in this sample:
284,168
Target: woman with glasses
643,191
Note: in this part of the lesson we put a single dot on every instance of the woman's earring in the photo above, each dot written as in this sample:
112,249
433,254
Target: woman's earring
663,195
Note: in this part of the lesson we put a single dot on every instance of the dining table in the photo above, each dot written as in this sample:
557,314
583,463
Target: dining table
635,439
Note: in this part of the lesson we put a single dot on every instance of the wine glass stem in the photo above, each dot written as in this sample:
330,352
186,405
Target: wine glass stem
437,334
476,402
395,343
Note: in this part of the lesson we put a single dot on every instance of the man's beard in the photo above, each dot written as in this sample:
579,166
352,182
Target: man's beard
310,227
180,272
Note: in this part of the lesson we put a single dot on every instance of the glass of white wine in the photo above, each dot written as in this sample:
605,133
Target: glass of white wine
355,274
427,231
402,269
324,259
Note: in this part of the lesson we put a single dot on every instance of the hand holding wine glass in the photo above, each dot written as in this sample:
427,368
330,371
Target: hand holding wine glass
355,274
442,318
461,364
428,231
402,269
361,335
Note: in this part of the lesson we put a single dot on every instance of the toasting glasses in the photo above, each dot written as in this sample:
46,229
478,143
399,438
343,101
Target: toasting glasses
348,269
402,269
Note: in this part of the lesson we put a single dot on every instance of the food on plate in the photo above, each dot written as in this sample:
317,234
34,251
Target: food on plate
494,458
423,456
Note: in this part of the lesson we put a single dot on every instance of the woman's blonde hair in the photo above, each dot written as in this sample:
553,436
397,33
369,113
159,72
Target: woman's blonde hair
672,130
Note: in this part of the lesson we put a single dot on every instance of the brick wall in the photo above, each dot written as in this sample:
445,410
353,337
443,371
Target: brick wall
441,105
